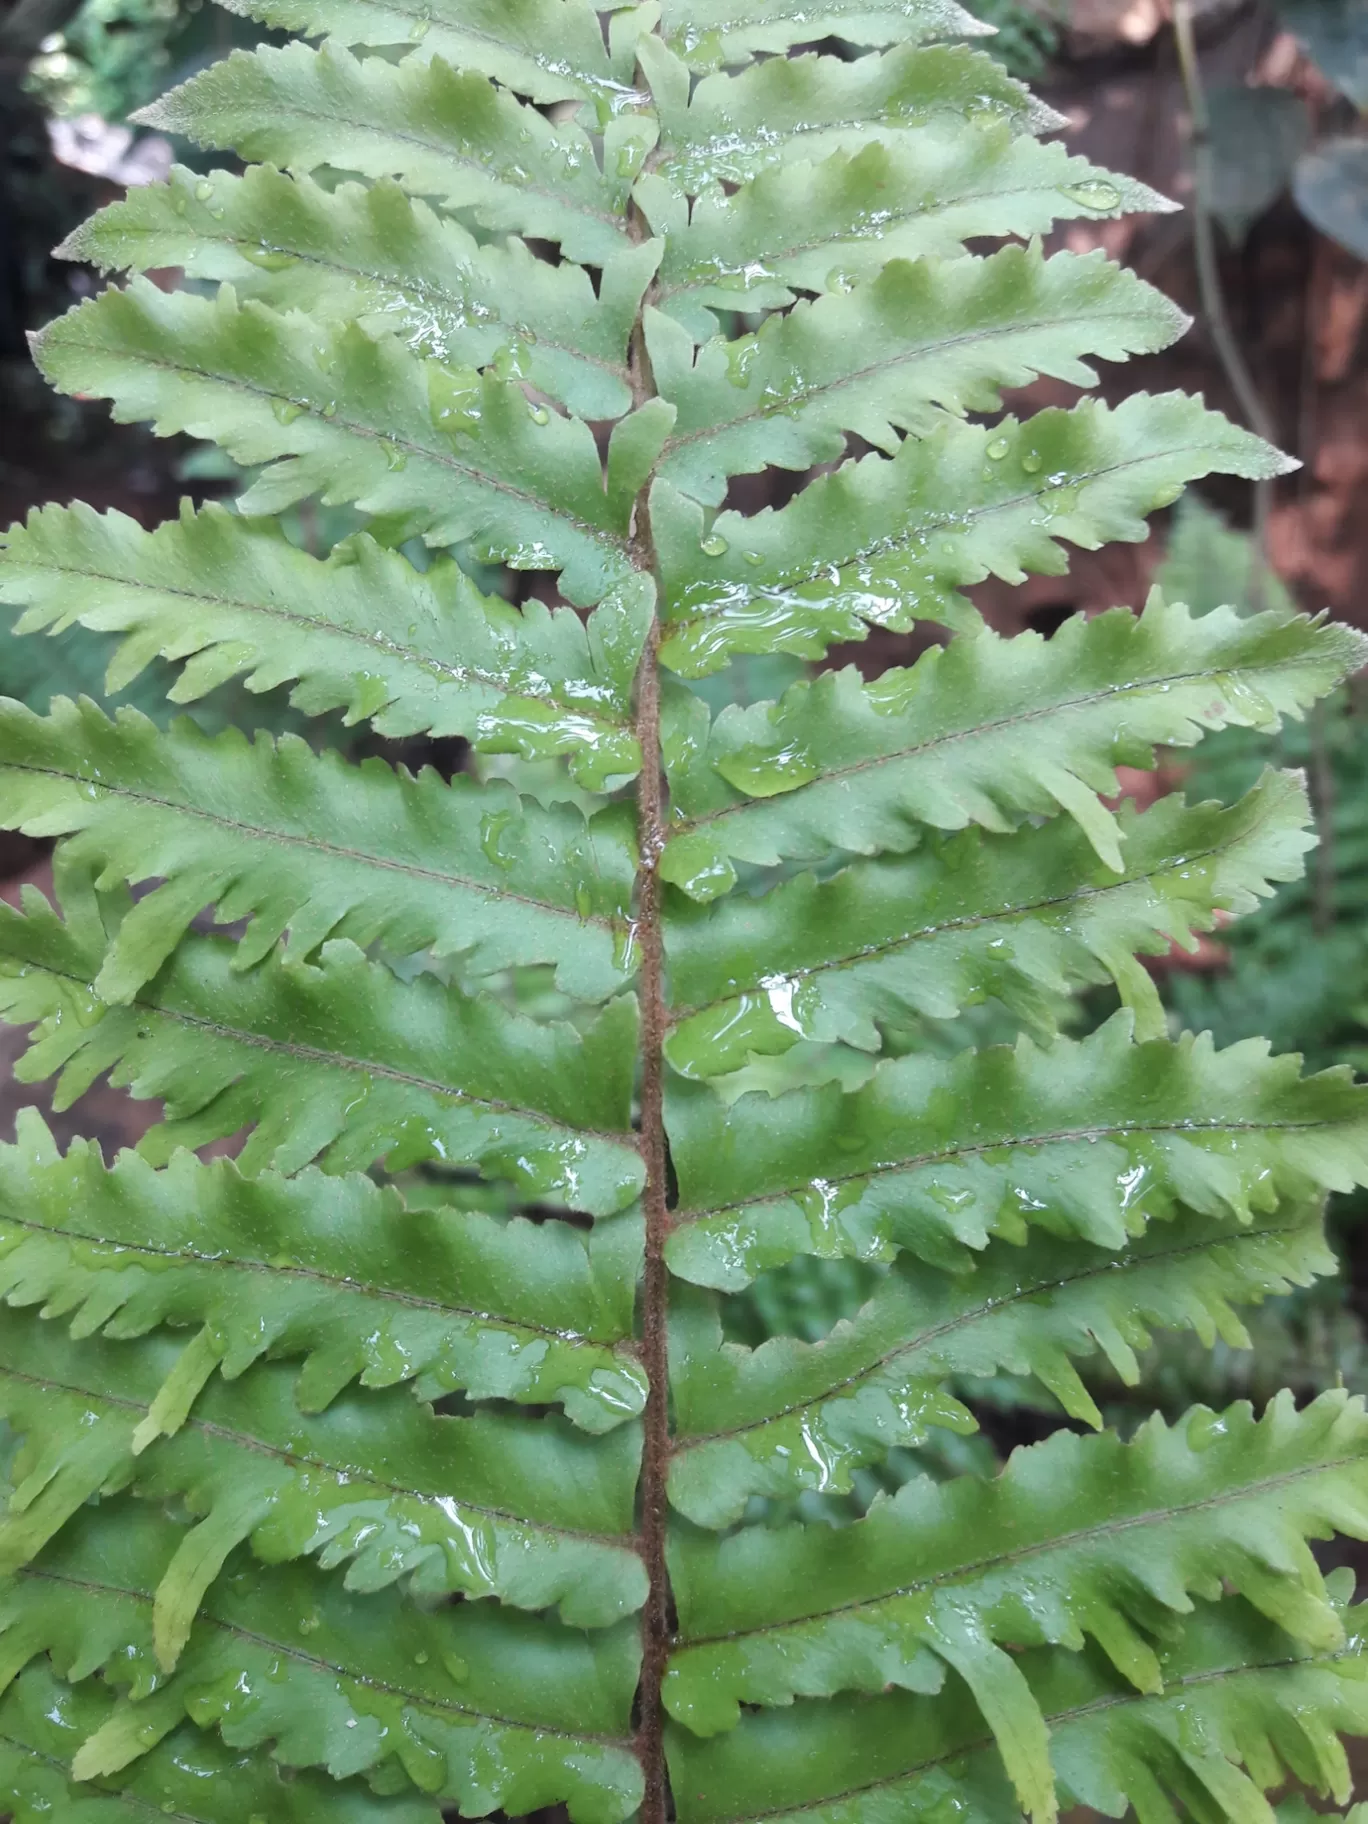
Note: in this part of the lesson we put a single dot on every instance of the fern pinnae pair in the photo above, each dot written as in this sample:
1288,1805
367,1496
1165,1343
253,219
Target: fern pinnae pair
404,1463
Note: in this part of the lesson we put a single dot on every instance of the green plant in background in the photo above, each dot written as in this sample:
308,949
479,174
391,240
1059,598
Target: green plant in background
275,1414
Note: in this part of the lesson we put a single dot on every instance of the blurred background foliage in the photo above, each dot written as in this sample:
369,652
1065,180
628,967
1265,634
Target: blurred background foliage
1288,189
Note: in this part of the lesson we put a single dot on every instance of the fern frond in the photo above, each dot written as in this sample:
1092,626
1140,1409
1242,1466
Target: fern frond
1243,1707
190,1776
477,1705
333,1271
921,340
788,110
1077,1537
542,1518
791,1416
1021,917
984,731
356,419
1093,1139
339,1059
225,597
374,255
454,136
339,1475
307,844
889,542
817,228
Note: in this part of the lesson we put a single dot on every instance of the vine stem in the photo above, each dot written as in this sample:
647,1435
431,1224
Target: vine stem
1223,337
657,1619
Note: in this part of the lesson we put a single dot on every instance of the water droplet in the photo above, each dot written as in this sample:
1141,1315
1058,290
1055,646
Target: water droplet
269,259
1165,497
330,409
286,410
584,903
540,415
204,190
455,397
714,545
419,29
997,449
394,456
1094,194
420,1659
741,357
754,557
1032,462
838,279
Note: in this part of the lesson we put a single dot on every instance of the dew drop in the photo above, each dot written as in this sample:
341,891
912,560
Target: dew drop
394,456
420,1659
1094,195
1032,462
754,557
204,190
540,415
714,545
286,410
997,449
269,259
840,280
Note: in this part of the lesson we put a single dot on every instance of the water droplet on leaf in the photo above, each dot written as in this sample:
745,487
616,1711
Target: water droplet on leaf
997,449
714,545
1094,194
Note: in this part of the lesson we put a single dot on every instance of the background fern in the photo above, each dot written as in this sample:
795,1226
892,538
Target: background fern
422,1456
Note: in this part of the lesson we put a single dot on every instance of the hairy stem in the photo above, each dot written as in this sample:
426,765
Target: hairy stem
655,1464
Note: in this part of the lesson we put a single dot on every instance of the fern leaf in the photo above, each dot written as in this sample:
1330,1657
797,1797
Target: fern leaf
887,543
922,339
985,731
1239,1694
359,420
791,1416
305,843
457,137
477,1705
549,50
388,261
333,1271
821,228
790,109
542,1518
224,597
1078,1537
1019,917
435,1074
1092,1139
190,1776
728,31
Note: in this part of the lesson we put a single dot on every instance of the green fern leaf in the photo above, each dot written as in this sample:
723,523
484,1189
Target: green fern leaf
825,227
454,136
330,1270
838,763
224,597
728,31
792,1416
363,420
1092,1139
790,109
227,823
390,262
477,1705
1076,1537
550,50
543,1518
190,1776
920,340
1239,1695
437,1075
887,543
